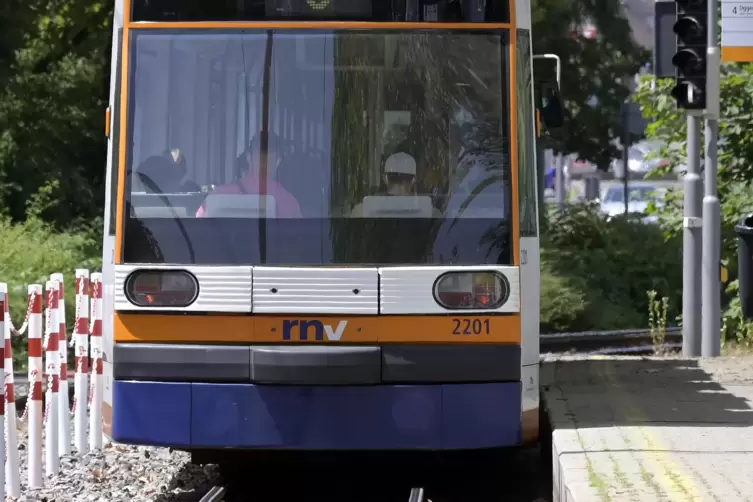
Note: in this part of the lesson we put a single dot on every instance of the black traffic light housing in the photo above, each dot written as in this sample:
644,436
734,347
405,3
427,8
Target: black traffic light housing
691,28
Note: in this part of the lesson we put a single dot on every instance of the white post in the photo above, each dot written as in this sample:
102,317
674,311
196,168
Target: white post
52,356
36,369
64,413
81,335
12,467
95,417
2,394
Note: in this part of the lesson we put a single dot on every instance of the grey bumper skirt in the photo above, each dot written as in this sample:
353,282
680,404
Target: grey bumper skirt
318,364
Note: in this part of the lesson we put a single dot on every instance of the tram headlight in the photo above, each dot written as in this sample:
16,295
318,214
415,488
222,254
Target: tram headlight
161,288
471,290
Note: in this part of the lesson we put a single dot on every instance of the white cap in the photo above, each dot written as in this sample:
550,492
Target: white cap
400,163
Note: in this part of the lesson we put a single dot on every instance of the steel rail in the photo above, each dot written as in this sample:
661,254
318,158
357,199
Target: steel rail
216,494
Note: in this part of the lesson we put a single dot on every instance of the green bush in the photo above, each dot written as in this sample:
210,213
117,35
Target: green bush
563,304
667,125
596,273
30,252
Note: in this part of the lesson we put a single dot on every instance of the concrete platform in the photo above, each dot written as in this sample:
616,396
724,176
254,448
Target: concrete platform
645,429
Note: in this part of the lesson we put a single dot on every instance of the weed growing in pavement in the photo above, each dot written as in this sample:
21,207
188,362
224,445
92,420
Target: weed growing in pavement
657,320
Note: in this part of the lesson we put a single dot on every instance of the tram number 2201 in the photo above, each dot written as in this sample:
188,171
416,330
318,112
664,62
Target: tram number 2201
471,327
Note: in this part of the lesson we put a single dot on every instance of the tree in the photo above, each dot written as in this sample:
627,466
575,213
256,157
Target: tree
593,72
54,69
667,124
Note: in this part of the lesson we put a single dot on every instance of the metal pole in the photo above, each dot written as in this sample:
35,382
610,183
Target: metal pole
559,181
625,153
558,64
711,301
691,244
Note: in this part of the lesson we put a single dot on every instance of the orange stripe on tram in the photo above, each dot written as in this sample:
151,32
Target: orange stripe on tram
139,327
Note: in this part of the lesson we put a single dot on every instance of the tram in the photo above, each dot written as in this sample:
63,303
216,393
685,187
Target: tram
321,228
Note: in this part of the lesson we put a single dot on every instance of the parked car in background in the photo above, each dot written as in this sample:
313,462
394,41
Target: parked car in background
641,159
639,195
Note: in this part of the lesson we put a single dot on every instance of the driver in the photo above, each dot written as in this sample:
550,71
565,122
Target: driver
250,182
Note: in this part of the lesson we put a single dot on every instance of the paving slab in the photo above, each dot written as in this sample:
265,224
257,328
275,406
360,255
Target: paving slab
644,429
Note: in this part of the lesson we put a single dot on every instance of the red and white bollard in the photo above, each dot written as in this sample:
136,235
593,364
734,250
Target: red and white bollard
2,392
95,415
64,413
36,368
52,353
81,337
12,467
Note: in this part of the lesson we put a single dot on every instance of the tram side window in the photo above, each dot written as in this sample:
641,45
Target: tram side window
115,136
526,143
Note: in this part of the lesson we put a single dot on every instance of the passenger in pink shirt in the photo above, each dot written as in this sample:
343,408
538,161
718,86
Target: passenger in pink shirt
252,183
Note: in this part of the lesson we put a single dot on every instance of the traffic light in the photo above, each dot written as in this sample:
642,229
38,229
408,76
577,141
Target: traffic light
690,59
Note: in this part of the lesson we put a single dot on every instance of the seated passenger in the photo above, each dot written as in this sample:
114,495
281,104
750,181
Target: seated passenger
476,212
250,183
179,161
399,179
157,175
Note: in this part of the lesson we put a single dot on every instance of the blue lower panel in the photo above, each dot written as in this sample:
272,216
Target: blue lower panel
152,413
456,416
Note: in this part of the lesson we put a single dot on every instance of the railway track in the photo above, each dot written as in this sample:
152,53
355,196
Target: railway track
515,476
504,476
215,494
627,341
509,476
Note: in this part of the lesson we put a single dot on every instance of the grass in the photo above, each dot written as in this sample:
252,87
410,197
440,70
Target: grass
598,483
29,253
735,349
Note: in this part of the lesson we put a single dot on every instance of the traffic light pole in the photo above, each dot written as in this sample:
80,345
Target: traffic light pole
711,301
625,152
691,242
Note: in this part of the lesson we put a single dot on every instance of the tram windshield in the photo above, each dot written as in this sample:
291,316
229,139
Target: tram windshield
318,147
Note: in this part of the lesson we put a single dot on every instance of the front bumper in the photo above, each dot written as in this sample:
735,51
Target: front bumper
369,417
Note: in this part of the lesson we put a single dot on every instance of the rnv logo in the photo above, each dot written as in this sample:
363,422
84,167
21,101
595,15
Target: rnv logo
301,330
